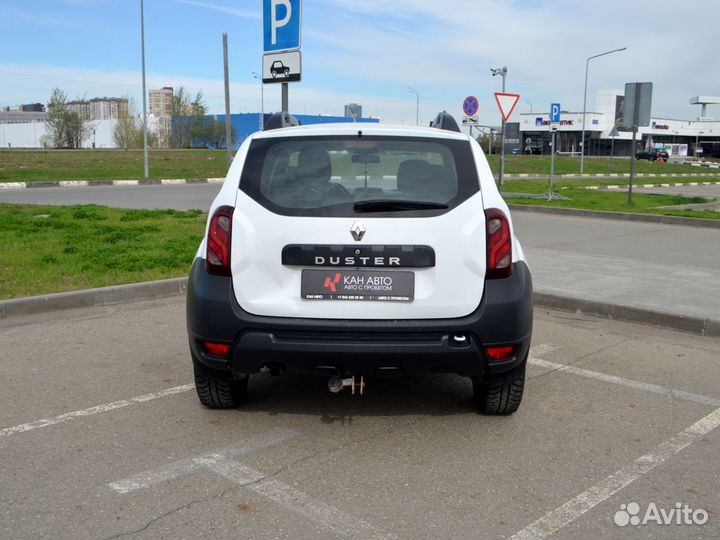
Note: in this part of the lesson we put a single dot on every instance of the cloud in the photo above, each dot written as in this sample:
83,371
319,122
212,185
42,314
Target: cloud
34,83
244,13
36,19
447,48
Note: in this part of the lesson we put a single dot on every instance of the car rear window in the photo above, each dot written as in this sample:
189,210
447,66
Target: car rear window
329,176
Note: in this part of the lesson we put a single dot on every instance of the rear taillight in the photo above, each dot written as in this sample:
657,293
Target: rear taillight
216,349
497,354
499,244
218,242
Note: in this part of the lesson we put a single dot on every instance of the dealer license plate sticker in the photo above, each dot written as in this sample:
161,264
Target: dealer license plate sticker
357,285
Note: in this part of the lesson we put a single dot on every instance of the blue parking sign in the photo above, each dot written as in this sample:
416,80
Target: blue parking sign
281,25
555,113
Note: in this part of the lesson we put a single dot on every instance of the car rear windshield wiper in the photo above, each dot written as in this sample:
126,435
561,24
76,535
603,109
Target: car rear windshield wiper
392,205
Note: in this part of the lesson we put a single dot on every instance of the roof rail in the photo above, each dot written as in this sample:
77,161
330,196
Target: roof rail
281,120
444,120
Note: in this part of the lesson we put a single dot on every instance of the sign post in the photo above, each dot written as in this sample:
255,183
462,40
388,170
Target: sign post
554,121
638,102
281,44
506,104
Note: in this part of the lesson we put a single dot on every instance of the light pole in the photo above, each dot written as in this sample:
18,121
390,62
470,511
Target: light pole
417,104
526,101
142,47
697,141
582,140
503,73
262,99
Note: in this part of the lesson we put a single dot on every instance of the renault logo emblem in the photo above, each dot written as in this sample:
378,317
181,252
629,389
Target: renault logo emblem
357,231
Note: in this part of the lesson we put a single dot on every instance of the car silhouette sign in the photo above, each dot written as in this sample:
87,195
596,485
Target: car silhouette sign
282,67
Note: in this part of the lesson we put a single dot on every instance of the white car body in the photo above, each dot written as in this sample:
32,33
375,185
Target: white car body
453,288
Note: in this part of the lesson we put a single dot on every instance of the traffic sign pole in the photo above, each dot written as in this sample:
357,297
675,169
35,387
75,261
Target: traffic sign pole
551,183
502,140
554,121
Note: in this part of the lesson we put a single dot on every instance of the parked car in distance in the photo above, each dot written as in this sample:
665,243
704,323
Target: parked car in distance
652,154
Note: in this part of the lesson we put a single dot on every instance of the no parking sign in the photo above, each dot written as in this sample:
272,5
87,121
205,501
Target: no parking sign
471,106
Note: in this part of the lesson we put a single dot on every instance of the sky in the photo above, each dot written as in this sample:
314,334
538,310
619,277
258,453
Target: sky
368,52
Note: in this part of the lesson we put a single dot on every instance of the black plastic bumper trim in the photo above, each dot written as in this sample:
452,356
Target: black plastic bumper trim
504,317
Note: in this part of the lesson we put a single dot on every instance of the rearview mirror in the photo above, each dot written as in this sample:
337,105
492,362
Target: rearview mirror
365,158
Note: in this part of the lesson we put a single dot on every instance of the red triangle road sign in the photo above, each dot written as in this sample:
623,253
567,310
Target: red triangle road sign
506,103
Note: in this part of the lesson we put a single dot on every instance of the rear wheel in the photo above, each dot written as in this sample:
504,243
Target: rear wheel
216,391
499,398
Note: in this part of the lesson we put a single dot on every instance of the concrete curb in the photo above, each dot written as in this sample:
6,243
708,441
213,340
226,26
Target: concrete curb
684,323
647,218
175,181
624,188
103,296
119,294
100,183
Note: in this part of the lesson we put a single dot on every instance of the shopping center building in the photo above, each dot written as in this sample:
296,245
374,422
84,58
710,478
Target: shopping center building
605,136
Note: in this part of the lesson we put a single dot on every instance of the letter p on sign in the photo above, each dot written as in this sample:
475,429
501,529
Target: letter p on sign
277,23
281,25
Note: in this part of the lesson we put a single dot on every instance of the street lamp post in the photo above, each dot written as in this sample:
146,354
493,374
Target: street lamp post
697,141
142,47
262,99
529,103
582,140
417,104
503,73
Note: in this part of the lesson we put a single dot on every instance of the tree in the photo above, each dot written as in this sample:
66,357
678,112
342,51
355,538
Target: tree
187,118
56,122
128,129
66,128
211,133
125,131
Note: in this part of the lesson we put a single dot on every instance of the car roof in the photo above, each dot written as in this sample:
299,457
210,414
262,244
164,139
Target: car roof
352,128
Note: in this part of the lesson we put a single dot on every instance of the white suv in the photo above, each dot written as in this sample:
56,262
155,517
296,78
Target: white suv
360,250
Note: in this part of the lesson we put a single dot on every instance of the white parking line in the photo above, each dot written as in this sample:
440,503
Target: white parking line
222,464
67,417
637,385
296,501
555,520
186,466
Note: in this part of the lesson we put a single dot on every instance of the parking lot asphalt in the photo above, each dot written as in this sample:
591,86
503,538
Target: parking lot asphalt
664,268
102,437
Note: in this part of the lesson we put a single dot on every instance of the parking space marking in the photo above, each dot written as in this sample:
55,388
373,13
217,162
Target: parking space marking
296,501
190,465
637,385
555,520
106,407
222,464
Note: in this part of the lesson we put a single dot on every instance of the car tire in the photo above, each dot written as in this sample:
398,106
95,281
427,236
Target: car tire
286,72
216,391
274,74
499,398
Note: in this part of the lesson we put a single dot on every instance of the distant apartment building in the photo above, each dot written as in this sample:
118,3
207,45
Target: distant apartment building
100,108
353,110
32,107
161,101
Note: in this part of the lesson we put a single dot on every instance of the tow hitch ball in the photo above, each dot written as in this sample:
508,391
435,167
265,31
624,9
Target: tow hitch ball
336,384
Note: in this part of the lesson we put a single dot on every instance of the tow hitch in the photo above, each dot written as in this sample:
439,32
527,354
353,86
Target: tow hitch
336,384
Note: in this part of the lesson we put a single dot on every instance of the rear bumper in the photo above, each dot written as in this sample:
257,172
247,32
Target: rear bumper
361,347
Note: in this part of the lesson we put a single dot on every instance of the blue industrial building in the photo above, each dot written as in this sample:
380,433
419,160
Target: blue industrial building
247,123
